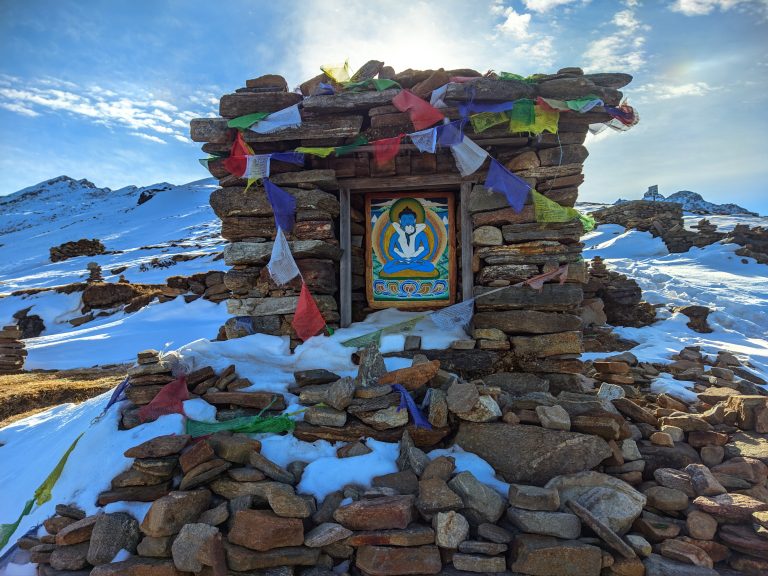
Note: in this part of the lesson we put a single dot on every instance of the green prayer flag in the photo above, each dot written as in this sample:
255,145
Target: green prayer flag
379,84
547,210
359,140
7,530
245,424
43,492
245,122
522,117
363,341
532,79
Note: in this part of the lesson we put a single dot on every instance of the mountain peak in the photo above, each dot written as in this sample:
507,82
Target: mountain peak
695,203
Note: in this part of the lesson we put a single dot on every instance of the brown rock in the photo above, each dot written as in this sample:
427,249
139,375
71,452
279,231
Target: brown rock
414,535
72,557
76,532
730,508
263,530
684,552
377,514
700,525
545,556
386,561
240,559
168,514
159,447
198,453
413,377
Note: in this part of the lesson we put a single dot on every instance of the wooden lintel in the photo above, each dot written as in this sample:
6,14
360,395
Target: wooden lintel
420,182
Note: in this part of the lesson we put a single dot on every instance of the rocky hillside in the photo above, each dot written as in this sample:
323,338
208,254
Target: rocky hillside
694,203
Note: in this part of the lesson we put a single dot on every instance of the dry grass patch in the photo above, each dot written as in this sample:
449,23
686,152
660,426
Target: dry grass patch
24,394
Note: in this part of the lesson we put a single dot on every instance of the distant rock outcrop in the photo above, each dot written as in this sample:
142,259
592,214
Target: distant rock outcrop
693,202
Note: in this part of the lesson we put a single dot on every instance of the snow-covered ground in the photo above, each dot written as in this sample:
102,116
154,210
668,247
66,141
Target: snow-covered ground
714,276
733,287
177,220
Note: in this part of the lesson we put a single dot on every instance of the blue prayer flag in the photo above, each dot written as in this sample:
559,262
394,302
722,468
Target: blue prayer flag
406,401
501,180
451,134
283,205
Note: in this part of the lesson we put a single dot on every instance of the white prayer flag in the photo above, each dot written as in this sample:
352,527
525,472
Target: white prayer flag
285,118
456,316
257,166
425,140
282,267
468,155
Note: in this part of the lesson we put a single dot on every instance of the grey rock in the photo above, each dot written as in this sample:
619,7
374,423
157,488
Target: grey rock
340,393
656,565
188,543
485,503
534,497
462,396
371,366
559,524
451,529
325,534
531,454
112,533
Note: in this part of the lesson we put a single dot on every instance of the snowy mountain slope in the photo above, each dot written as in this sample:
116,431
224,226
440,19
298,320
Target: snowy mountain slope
712,276
174,221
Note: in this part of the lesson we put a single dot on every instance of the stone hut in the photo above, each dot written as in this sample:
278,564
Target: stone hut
490,244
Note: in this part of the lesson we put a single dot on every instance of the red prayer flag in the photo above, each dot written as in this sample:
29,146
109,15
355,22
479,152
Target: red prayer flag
307,320
422,113
386,149
168,401
237,162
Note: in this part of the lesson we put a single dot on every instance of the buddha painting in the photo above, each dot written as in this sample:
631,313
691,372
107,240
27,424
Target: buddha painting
410,260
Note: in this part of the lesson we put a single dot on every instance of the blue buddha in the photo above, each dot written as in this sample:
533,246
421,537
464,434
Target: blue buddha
408,246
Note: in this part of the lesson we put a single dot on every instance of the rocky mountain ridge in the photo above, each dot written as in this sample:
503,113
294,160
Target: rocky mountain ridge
693,202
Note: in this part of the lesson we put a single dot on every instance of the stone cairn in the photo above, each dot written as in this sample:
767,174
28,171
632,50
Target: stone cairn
94,273
608,481
536,331
12,352
753,241
83,247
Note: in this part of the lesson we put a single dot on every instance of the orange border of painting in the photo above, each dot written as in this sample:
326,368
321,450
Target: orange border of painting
452,272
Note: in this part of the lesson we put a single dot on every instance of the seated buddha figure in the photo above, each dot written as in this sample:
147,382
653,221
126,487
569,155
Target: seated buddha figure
408,246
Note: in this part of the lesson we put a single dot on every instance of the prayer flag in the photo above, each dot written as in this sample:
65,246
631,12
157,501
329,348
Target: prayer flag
406,401
386,149
379,84
481,122
537,282
456,316
438,94
322,152
337,72
547,210
522,116
286,118
245,122
238,156
501,180
468,156
363,341
257,167
168,401
282,267
359,140
421,112
451,133
245,424
323,89
118,393
552,104
283,205
425,140
290,157
307,320
545,120
583,105
472,107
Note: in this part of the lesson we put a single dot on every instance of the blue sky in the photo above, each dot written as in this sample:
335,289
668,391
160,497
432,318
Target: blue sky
105,90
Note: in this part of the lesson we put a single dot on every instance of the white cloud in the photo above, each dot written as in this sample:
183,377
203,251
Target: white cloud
516,24
704,7
545,5
148,137
651,92
622,50
132,108
19,109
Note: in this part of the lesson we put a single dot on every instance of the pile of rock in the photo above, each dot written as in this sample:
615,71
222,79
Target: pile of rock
31,325
753,241
83,247
614,298
12,352
616,481
94,273
207,285
706,233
